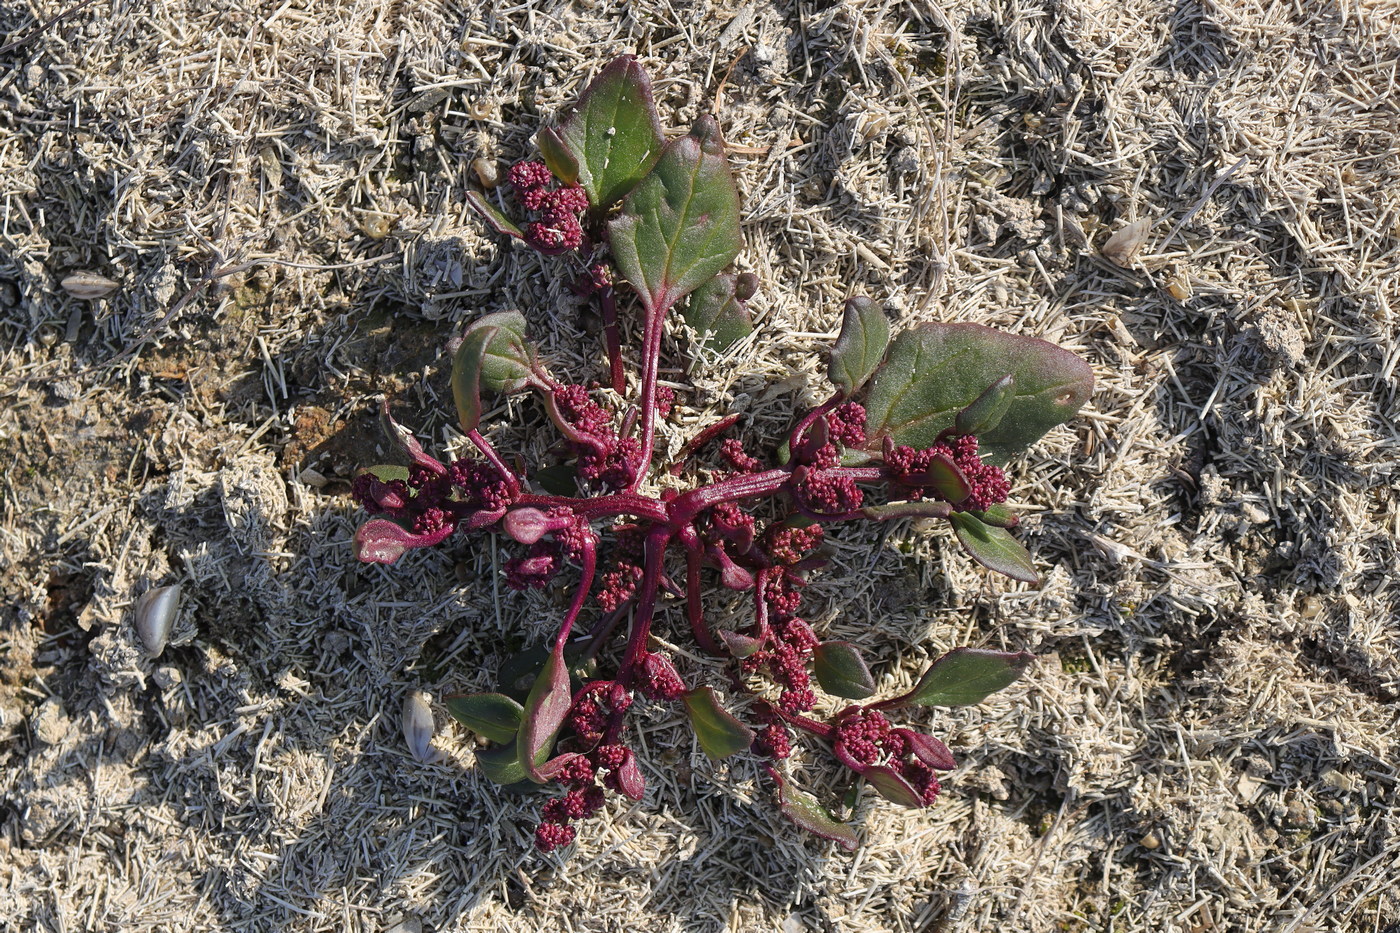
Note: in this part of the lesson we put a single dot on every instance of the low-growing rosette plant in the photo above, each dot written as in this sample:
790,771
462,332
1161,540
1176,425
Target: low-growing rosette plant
918,425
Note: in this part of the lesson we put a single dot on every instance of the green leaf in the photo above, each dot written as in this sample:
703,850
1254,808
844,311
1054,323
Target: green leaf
494,355
493,715
719,733
385,472
545,709
859,348
997,515
934,371
501,763
493,217
841,670
680,226
557,479
466,377
802,808
557,155
965,676
994,548
610,138
717,314
987,410
892,786
508,361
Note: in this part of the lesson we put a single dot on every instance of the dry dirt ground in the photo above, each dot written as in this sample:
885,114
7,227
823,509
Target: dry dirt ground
1208,740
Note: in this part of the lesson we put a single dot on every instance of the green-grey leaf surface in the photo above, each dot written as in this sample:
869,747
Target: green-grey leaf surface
803,809
507,362
935,370
494,355
859,348
965,676
987,410
501,764
493,715
841,670
680,226
717,315
386,472
612,134
719,733
994,548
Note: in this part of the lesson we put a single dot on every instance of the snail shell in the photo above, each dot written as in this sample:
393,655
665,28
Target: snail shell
155,614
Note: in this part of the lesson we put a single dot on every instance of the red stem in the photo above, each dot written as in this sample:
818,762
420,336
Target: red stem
651,361
590,563
493,458
612,338
694,606
657,540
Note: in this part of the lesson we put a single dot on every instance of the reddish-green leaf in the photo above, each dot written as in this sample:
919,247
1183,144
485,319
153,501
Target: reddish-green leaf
859,348
741,646
493,715
892,786
717,314
545,709
930,751
802,808
994,548
719,733
557,155
381,541
403,439
493,217
680,226
936,370
841,670
611,138
946,479
965,676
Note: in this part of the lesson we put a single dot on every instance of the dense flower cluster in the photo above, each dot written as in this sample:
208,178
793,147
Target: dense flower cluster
620,581
865,739
558,229
431,500
603,456
986,483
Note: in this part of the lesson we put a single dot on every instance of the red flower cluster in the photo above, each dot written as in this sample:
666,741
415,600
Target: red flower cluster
987,483
602,456
558,229
865,738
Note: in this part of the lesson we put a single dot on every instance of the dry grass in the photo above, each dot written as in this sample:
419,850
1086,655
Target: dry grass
1208,741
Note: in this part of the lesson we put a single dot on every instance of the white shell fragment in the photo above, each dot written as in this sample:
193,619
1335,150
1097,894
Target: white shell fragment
418,727
1124,244
155,614
487,172
88,286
